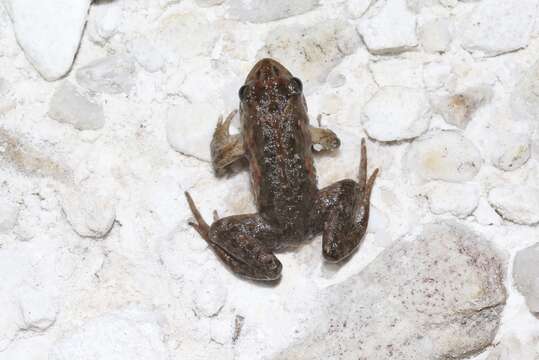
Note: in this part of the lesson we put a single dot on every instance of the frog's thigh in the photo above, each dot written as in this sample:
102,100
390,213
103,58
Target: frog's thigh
240,242
337,209
326,139
225,148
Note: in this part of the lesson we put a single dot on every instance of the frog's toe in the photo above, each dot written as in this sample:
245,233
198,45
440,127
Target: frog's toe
266,267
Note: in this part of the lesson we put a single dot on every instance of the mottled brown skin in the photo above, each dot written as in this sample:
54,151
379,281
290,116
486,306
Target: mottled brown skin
277,141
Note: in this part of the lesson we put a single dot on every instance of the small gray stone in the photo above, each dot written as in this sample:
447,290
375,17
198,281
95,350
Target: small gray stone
69,106
438,297
112,75
268,10
458,109
526,276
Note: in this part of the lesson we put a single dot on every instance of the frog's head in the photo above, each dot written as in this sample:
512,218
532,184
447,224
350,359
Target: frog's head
270,87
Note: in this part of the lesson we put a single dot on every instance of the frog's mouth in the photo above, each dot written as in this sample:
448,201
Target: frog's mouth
267,69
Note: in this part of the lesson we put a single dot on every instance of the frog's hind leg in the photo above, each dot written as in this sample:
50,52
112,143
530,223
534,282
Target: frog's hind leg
241,243
343,209
225,148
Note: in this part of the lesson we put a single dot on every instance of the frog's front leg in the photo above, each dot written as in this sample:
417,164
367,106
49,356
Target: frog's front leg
341,212
225,148
242,243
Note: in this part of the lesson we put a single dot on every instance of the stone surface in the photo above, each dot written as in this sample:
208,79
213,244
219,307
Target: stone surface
38,309
146,54
434,35
112,75
516,203
442,155
268,10
397,72
121,335
312,51
389,27
69,106
208,3
9,213
525,96
509,151
459,200
494,27
396,113
49,32
459,109
526,276
438,297
211,296
105,18
90,209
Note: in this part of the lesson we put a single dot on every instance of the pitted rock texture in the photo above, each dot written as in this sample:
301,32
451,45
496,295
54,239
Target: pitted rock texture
439,296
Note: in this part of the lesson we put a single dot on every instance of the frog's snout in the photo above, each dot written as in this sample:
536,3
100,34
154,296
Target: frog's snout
267,69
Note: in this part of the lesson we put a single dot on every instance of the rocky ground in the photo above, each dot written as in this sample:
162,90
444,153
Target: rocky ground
106,113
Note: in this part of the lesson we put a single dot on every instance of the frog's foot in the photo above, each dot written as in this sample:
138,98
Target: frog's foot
225,148
344,210
324,139
200,225
240,240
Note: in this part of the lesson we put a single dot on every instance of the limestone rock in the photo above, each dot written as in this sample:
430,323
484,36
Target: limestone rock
458,109
208,3
313,51
495,27
112,75
519,204
37,308
509,151
356,8
69,106
434,35
211,296
443,155
389,27
525,96
105,18
49,32
526,276
459,200
396,113
122,335
268,10
9,213
437,297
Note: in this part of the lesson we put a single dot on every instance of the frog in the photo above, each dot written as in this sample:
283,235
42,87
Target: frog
278,142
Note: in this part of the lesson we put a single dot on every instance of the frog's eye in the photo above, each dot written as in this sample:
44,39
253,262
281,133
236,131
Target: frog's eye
243,92
295,86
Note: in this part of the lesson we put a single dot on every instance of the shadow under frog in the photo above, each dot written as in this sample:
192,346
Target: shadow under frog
277,141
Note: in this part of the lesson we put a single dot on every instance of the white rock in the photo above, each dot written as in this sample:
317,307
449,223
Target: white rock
396,113
458,109
495,27
510,347
509,151
90,210
356,8
434,35
105,18
485,214
122,335
436,74
443,155
49,32
208,3
519,203
389,27
210,297
146,54
189,129
525,96
112,75
426,296
69,106
459,200
526,275
38,308
9,213
268,10
166,3
397,72
321,48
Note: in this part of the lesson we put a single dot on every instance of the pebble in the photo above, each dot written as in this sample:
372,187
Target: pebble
443,155
38,309
434,35
397,72
525,96
262,11
494,27
458,109
105,18
69,106
526,276
111,75
49,32
509,151
516,203
389,27
459,200
9,213
396,113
